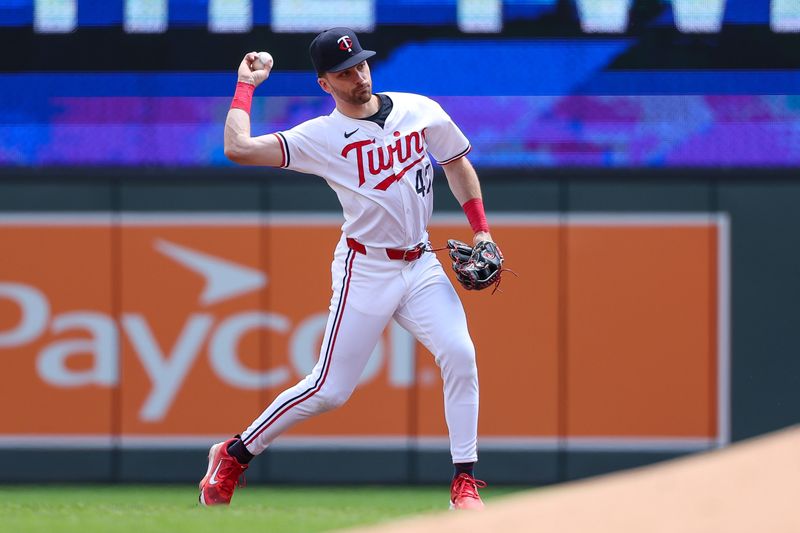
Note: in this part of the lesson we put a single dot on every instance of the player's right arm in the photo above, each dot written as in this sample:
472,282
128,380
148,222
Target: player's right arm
240,147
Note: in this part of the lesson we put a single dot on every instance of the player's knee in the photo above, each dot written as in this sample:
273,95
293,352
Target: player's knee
331,399
458,359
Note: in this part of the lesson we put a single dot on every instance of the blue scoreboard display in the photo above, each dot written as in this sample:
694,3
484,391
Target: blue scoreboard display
471,16
617,83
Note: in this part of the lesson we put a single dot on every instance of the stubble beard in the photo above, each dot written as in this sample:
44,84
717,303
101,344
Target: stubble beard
357,97
364,96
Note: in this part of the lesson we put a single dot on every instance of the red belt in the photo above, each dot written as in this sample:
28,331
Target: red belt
405,255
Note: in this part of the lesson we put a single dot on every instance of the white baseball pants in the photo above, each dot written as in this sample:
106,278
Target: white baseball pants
368,291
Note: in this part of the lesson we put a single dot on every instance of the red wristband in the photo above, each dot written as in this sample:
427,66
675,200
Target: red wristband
243,97
477,218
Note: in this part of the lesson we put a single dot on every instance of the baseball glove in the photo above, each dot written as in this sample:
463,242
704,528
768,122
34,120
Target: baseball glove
476,267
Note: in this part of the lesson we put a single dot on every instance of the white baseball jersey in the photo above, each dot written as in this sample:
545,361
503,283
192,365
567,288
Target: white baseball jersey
382,176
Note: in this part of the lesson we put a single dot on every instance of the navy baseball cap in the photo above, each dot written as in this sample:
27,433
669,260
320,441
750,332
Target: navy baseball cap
337,49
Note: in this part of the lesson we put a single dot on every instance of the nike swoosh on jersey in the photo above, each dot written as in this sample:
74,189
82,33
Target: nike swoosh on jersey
347,135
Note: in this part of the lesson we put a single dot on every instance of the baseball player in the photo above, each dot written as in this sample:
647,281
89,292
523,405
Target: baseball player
373,151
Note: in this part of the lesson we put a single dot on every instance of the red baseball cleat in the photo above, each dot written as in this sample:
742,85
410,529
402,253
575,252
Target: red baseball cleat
464,493
222,476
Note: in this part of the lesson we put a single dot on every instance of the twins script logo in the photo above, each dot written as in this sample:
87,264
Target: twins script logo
379,160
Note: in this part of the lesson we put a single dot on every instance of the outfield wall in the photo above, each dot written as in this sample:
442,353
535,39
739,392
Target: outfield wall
652,317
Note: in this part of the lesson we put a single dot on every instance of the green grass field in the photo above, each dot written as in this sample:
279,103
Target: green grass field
174,509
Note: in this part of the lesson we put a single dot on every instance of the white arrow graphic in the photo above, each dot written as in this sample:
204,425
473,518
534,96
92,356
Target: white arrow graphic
224,279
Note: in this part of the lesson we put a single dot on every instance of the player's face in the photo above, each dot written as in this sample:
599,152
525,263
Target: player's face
353,85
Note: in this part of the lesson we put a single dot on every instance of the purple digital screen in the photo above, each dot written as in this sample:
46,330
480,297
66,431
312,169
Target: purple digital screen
506,131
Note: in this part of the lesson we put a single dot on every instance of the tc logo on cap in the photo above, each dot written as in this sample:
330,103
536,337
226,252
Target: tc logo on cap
345,43
337,49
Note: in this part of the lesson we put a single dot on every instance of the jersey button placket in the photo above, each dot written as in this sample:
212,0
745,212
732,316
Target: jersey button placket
403,185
